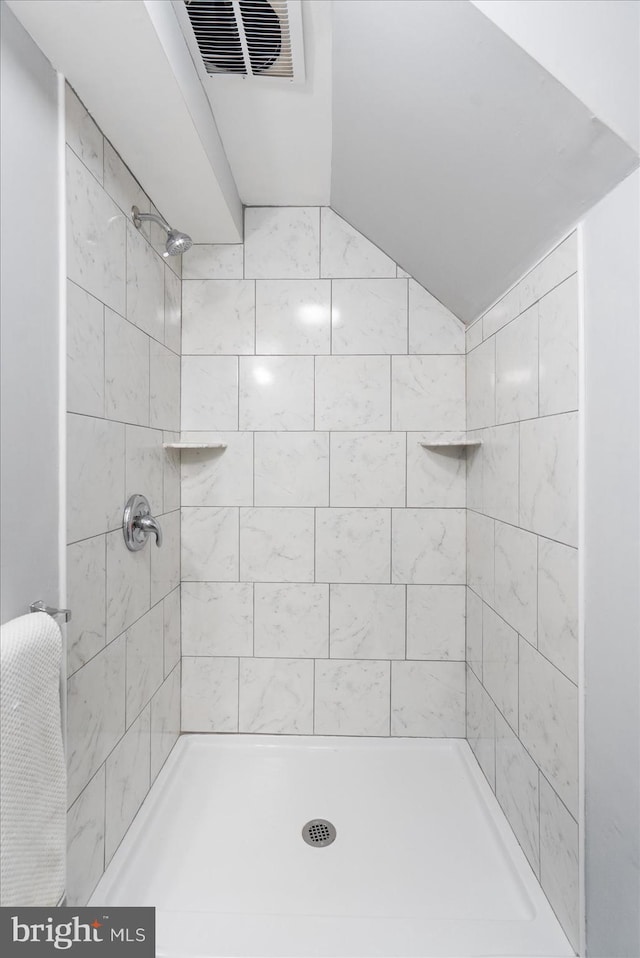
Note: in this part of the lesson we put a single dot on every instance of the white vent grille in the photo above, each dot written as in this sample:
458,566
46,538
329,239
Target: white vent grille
248,38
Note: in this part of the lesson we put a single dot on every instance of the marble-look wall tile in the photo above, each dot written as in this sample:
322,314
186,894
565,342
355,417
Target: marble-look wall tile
480,555
95,476
436,622
473,335
209,694
165,721
549,477
171,473
145,285
85,353
559,860
282,242
367,621
126,371
435,477
164,388
428,546
171,630
368,469
145,660
276,392
369,316
427,392
505,310
558,605
128,584
214,261
165,561
219,317
559,349
86,632
474,633
276,545
428,699
210,545
276,696
516,596
95,714
517,790
344,252
291,469
500,472
144,465
549,272
481,727
481,386
475,470
85,841
432,327
123,188
293,317
82,134
172,310
517,369
209,392
353,545
352,392
218,477
549,722
128,781
352,698
291,620
217,618
500,664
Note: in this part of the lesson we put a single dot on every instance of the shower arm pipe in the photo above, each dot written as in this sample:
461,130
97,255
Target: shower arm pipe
137,215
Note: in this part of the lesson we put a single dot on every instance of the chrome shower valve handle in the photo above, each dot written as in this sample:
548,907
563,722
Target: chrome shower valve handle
138,523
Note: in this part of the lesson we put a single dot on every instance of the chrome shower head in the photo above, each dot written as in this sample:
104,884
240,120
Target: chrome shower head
177,242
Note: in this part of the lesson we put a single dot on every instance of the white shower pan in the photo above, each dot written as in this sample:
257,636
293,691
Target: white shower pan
424,862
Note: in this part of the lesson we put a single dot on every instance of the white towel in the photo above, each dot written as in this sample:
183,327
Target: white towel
32,768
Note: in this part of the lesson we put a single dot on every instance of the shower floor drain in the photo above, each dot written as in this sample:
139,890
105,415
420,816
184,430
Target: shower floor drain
319,832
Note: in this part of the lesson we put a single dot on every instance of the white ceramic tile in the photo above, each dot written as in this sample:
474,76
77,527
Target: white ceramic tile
474,632
353,545
369,316
209,694
172,310
293,316
276,696
217,618
558,605
475,471
481,727
559,861
126,371
429,546
85,841
428,699
95,476
122,186
500,664
171,629
502,313
517,369
428,392
128,781
218,477
214,261
367,469
95,716
552,270
171,473
549,477
210,544
145,660
352,698
559,349
435,477
516,595
481,386
164,388
291,620
219,316
473,335
85,353
432,327
517,790
480,555
282,242
128,584
209,392
352,392
500,472
95,237
165,561
165,721
549,722
436,622
276,392
346,252
145,285
86,570
276,545
144,465
82,134
291,469
367,621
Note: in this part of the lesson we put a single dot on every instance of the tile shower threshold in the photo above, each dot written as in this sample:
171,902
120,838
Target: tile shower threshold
423,862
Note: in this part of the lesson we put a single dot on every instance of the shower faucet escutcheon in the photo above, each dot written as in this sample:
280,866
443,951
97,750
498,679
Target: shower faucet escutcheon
138,523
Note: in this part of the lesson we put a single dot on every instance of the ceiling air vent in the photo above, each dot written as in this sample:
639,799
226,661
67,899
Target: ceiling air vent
249,38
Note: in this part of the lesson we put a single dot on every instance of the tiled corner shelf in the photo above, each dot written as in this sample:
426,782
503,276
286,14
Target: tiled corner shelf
451,444
194,445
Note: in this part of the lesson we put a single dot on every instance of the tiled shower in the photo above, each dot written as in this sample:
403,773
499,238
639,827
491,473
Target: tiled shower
338,576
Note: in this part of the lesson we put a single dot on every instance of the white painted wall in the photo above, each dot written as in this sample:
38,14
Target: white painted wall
590,46
611,242
30,324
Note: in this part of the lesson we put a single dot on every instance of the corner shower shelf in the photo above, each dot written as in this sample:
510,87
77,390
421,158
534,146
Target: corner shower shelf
451,444
194,445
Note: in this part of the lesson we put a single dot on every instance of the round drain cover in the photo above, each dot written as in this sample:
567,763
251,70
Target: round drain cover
319,832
